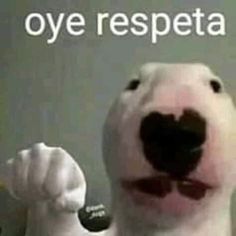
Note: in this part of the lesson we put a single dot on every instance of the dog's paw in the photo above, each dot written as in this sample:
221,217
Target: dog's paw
46,174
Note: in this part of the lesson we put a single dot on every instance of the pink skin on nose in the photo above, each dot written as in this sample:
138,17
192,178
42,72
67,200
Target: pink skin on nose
211,161
169,99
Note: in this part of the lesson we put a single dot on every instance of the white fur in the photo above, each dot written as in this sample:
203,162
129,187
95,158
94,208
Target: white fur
53,185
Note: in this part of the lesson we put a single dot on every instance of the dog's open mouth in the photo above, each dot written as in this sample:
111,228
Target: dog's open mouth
161,186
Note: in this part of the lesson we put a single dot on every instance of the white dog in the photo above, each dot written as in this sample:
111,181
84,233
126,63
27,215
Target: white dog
169,148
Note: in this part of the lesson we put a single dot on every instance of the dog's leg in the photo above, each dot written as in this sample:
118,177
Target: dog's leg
52,186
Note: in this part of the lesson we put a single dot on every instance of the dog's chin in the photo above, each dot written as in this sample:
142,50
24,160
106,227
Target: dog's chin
163,195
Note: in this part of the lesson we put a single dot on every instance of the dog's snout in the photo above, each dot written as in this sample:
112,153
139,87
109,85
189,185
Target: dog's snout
173,146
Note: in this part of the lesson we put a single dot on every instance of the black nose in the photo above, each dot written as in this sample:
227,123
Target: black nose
172,146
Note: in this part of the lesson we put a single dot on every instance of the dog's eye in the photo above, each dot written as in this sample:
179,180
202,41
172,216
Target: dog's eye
216,86
133,84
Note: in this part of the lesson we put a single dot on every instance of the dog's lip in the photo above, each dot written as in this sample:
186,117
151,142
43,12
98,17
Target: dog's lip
161,186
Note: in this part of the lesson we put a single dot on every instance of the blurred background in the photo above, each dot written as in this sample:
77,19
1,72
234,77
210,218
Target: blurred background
60,93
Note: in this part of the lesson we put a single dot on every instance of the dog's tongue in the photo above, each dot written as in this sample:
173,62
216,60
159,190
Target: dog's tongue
161,186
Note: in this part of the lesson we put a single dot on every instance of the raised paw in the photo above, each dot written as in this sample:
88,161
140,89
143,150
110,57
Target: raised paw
46,174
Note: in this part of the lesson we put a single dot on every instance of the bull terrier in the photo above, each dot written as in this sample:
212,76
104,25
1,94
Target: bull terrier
169,150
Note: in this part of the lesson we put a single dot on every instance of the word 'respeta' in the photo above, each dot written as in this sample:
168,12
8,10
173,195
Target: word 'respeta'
138,24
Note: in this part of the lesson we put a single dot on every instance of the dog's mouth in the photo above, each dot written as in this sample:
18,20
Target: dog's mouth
161,186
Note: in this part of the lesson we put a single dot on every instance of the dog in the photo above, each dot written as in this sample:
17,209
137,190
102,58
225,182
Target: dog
169,151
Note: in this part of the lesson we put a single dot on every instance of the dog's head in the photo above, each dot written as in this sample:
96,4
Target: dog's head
169,141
